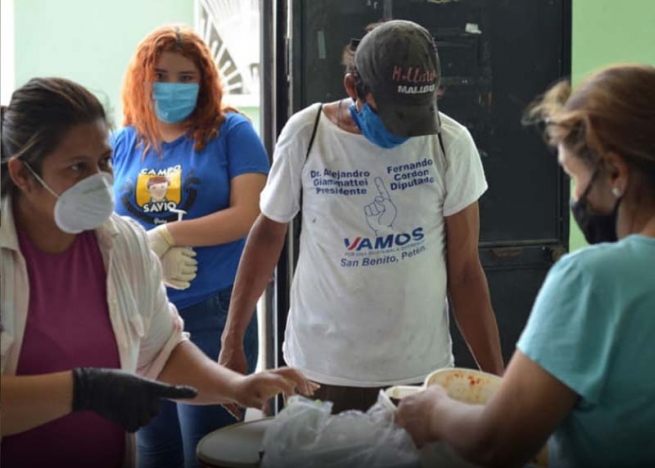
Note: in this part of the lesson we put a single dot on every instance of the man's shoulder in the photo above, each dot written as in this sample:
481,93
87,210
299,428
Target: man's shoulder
454,133
303,118
298,128
451,127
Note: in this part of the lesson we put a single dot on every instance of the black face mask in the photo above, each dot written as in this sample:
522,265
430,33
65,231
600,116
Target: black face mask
595,227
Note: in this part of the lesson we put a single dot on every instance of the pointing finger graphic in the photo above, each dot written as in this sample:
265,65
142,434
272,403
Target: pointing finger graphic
381,212
382,190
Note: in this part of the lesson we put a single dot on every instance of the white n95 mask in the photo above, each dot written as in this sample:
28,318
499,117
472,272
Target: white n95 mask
84,206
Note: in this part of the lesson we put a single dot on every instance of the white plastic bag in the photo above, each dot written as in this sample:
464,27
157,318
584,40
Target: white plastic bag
306,435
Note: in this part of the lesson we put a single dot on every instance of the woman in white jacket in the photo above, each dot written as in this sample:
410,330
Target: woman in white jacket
86,324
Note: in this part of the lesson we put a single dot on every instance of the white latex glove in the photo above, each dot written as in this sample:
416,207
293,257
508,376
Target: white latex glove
160,240
179,267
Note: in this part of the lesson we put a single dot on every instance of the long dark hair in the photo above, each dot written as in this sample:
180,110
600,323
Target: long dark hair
38,117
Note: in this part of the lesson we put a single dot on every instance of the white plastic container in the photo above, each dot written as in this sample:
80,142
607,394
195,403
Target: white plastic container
465,385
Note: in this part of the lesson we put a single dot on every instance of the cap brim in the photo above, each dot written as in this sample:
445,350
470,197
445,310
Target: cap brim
410,120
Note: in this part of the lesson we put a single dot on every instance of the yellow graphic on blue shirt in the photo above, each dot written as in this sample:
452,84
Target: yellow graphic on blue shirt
159,191
150,198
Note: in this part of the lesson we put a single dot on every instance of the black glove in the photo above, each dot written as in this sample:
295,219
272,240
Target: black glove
123,398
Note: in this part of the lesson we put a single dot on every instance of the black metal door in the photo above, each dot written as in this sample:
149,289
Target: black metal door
496,57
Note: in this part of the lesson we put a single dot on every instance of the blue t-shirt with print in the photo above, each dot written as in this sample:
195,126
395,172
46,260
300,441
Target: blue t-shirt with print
593,328
198,182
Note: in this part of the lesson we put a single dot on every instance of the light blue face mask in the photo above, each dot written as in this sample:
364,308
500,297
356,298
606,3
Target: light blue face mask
174,102
371,126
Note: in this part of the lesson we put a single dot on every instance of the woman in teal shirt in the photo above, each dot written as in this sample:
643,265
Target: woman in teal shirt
584,370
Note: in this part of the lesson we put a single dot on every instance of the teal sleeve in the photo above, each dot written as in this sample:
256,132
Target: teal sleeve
569,332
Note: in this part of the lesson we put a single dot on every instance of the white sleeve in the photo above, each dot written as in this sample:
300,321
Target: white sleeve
161,325
465,180
165,329
280,199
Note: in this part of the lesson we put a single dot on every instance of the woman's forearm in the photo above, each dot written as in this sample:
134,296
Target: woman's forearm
217,228
187,365
460,426
226,225
31,401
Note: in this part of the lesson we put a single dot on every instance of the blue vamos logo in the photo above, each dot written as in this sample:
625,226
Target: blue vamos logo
383,242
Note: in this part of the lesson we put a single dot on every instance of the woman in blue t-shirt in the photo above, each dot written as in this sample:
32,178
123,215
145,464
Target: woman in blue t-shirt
189,170
584,370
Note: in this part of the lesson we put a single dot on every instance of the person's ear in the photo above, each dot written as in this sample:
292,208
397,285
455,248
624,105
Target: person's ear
619,173
350,84
20,175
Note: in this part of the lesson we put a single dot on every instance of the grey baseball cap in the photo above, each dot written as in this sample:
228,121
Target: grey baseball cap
398,62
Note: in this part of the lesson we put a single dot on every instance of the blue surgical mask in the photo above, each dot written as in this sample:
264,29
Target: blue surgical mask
371,126
174,102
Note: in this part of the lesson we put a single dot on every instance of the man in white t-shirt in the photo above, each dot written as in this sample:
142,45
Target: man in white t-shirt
390,225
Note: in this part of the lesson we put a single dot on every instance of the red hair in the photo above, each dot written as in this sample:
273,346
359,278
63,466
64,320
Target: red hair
138,110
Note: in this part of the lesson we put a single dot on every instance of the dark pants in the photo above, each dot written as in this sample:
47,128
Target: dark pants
348,398
170,440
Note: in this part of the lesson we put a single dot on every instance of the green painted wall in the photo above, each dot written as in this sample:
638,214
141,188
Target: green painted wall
253,114
91,41
605,32
88,41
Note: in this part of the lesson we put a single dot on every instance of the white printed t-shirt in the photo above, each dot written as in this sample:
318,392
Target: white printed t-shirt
368,298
